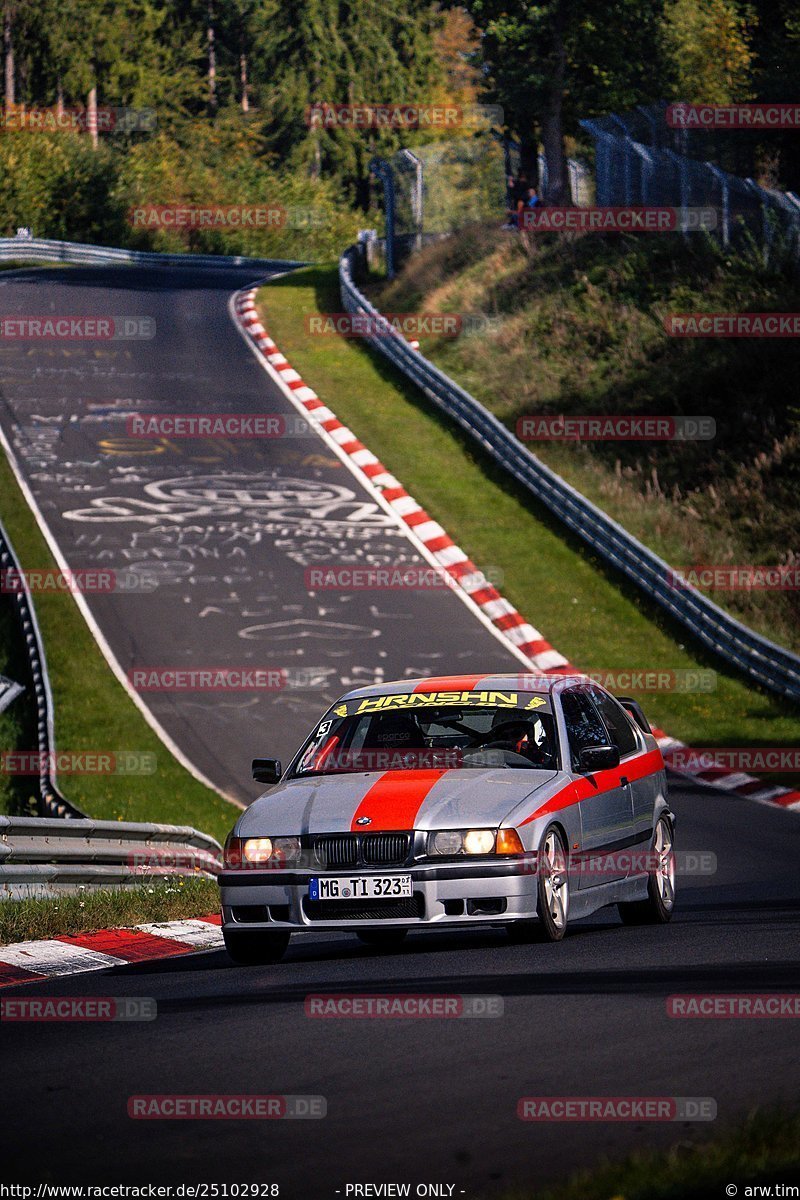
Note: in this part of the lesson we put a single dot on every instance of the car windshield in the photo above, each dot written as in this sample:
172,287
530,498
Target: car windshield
442,737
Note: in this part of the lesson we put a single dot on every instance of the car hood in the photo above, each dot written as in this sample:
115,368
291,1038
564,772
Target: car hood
392,800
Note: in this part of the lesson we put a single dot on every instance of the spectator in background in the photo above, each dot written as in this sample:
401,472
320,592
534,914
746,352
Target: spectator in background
532,202
516,192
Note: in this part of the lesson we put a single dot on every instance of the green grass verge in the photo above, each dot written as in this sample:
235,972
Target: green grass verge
764,1150
589,614
158,900
93,710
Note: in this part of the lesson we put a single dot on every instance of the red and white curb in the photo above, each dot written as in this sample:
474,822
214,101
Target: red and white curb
525,641
30,962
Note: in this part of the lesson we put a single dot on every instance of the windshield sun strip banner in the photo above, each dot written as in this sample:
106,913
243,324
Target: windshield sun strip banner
404,701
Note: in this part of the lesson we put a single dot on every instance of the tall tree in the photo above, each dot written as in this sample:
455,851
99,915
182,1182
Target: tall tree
709,46
548,64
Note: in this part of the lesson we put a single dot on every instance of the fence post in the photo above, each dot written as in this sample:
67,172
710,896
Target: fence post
383,170
417,194
725,195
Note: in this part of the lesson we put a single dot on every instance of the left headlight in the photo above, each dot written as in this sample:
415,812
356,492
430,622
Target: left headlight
241,853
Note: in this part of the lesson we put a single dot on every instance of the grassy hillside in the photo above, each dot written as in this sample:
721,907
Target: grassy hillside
580,331
579,605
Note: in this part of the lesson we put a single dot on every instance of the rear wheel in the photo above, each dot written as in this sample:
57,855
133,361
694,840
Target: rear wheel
255,947
382,939
657,908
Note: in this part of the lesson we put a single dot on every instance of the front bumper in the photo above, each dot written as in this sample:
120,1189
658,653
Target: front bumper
443,894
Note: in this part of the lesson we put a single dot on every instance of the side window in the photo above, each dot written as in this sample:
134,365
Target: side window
616,720
584,727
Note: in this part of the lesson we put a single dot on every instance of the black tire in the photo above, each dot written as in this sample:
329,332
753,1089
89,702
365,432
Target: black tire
382,939
255,947
656,909
552,914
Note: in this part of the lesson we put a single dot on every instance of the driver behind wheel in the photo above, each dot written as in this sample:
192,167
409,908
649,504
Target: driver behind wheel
521,736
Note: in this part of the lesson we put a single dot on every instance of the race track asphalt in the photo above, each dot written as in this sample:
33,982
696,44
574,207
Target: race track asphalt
408,1101
428,1100
226,528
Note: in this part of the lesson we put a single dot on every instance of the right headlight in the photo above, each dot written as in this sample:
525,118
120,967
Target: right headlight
453,842
461,841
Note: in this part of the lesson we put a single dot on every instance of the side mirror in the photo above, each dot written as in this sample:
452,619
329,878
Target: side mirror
598,758
267,770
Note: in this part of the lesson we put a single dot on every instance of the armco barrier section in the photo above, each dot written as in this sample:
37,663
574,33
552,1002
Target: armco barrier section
20,249
40,856
769,665
50,799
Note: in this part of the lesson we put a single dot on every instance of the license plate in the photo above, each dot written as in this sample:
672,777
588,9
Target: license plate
359,887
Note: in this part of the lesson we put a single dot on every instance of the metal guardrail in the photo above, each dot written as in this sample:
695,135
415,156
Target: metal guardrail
39,856
51,801
45,250
767,664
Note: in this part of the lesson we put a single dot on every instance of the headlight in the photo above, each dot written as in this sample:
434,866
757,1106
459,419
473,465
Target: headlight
461,841
287,849
479,841
447,842
241,853
257,850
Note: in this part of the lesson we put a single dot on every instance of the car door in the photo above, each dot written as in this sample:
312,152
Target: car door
630,743
606,806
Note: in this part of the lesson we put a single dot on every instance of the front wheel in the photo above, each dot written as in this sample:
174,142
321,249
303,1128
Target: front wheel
657,908
255,947
382,939
553,887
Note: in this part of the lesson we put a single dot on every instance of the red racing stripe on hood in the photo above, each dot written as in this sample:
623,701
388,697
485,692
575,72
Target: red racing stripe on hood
394,801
